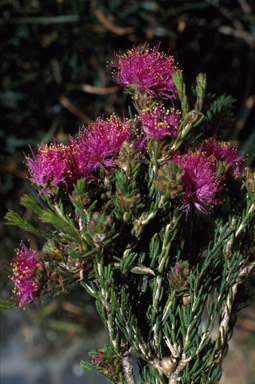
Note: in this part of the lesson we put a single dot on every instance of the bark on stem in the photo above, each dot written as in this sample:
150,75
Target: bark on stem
128,370
227,312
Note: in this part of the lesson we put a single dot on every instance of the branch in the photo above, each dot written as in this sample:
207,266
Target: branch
142,270
175,376
128,370
244,220
227,312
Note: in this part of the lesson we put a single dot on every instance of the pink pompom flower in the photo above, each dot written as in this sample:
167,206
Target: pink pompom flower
200,181
25,265
225,152
158,123
100,142
55,164
51,166
146,70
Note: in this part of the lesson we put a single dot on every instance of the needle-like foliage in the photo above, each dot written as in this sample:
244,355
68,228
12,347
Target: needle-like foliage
154,222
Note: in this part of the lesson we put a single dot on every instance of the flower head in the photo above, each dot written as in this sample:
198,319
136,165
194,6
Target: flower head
148,71
51,166
157,123
200,180
55,164
100,142
26,286
225,152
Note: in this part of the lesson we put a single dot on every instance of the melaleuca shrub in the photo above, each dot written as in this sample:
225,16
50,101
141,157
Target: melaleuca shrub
154,219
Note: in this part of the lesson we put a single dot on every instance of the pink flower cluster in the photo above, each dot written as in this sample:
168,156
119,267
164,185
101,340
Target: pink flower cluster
201,180
146,70
53,165
25,265
225,152
158,123
95,147
99,143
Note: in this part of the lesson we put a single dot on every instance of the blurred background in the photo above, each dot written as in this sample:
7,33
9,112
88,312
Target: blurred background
54,79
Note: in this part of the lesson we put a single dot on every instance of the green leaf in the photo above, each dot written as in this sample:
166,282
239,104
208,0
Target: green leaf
15,219
6,304
29,201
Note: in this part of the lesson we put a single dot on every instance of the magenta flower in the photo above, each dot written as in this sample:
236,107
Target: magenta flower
100,142
148,71
95,147
51,166
157,123
223,151
200,180
26,286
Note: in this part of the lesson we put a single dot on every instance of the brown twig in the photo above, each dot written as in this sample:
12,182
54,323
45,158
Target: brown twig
238,33
71,108
245,6
107,23
100,90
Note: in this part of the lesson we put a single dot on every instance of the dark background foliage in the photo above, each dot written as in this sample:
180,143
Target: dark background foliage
54,76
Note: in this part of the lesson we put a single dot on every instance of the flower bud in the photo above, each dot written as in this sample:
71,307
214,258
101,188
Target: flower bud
129,157
96,215
169,179
103,196
39,265
99,226
177,270
186,271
